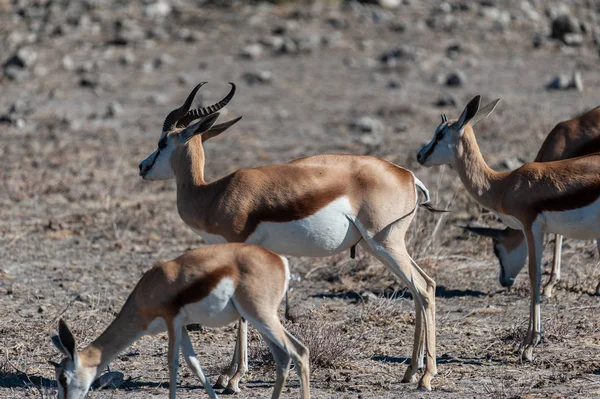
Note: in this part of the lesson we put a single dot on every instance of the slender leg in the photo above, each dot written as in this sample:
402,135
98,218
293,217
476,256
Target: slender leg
282,360
391,251
533,235
242,361
416,361
193,363
224,378
555,273
174,332
598,286
268,325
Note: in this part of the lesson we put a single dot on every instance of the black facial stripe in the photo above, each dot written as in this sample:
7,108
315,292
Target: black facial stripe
429,151
62,380
154,159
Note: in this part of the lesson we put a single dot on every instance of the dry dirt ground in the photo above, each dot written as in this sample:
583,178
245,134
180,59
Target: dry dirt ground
83,102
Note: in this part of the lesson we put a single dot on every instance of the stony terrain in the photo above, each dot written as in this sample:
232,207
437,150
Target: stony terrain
85,87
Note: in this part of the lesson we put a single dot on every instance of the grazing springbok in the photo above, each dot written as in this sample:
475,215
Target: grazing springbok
560,197
569,139
314,206
214,286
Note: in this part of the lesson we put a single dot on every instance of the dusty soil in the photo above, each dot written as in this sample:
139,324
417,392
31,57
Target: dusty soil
84,101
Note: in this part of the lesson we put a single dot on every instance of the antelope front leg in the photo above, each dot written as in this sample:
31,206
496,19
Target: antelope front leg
555,273
242,360
533,236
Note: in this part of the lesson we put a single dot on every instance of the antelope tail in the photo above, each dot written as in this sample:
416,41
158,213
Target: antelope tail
425,204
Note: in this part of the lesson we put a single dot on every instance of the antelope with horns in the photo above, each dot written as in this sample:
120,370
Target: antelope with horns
561,197
314,206
569,139
214,286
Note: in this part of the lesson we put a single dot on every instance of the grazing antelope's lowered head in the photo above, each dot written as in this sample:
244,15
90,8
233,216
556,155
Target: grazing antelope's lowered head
446,143
177,132
509,247
73,377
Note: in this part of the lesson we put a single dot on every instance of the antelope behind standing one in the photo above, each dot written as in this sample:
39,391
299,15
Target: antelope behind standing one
561,197
314,206
569,139
213,286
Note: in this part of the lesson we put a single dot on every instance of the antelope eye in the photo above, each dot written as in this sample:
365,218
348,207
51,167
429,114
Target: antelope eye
162,144
62,379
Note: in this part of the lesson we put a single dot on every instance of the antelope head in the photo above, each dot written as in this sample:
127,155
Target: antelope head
509,247
177,131
443,148
73,377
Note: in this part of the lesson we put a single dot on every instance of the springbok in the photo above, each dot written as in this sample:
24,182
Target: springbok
314,206
569,139
560,197
214,286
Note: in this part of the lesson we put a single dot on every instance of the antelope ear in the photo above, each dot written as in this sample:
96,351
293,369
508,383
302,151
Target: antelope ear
218,129
59,345
484,112
469,112
67,340
199,127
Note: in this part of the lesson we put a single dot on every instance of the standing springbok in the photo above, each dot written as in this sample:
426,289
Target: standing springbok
214,286
569,139
314,206
559,197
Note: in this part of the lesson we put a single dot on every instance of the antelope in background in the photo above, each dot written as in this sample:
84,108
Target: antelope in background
314,206
213,286
560,197
569,139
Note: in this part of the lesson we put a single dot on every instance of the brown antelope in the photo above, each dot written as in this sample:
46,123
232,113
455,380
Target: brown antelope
569,139
214,286
314,206
560,197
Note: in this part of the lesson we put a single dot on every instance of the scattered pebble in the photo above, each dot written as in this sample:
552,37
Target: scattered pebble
257,77
455,79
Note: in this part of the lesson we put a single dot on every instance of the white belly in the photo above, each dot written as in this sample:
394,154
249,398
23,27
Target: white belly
582,223
324,233
215,310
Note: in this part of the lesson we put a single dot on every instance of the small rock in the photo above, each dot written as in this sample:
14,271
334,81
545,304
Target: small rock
114,109
22,58
366,124
402,52
157,10
370,129
185,79
564,24
573,39
400,127
453,51
398,26
110,380
538,40
394,84
89,82
455,79
163,60
127,58
337,23
157,99
68,63
257,77
446,100
444,7
390,4
252,51
566,82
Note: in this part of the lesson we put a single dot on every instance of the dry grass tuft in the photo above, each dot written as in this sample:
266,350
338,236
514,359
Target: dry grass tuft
329,343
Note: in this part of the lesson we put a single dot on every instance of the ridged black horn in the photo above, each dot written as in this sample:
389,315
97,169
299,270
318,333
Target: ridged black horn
205,111
171,120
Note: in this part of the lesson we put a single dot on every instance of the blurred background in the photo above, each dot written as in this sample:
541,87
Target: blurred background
86,85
